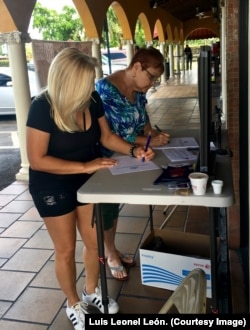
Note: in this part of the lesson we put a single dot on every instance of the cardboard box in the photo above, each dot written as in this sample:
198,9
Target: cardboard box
184,252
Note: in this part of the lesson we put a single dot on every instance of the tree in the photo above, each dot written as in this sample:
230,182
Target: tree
114,29
139,34
67,25
62,26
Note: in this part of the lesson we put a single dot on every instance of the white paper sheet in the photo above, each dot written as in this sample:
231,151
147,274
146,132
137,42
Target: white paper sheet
127,164
183,142
180,154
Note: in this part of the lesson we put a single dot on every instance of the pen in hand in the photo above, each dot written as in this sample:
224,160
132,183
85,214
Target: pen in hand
147,145
158,128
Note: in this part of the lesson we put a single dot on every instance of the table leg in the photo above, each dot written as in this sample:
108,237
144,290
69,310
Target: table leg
100,240
223,264
213,212
151,217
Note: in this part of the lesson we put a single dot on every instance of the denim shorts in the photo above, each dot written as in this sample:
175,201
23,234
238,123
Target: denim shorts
53,203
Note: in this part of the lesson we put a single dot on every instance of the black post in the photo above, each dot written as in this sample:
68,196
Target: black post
106,30
100,240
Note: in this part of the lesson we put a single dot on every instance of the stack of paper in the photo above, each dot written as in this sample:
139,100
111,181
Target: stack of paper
182,142
180,155
182,149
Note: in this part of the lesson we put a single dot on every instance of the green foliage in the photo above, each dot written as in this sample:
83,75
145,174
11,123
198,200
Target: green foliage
139,34
114,30
67,25
4,62
58,26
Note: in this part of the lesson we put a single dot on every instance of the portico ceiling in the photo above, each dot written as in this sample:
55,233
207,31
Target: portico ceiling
192,12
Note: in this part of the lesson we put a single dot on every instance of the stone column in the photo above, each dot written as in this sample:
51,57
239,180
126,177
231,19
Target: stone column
17,58
171,60
162,50
178,70
182,57
129,50
96,52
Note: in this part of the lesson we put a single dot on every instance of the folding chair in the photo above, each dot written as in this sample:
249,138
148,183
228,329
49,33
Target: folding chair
190,296
173,208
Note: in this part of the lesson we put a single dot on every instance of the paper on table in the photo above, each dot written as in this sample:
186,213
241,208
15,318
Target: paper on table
127,164
180,154
182,142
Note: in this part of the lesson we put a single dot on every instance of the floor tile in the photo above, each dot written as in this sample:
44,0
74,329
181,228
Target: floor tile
5,199
43,309
7,325
17,207
40,240
28,260
9,246
14,189
12,284
8,218
31,214
22,229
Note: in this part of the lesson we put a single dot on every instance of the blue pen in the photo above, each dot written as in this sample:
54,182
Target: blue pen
147,145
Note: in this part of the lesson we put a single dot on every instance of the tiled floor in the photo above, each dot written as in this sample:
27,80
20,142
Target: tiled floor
30,298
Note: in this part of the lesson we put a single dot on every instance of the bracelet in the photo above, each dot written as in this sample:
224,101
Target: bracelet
131,150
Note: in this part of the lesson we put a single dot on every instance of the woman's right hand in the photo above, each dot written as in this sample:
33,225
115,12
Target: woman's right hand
98,163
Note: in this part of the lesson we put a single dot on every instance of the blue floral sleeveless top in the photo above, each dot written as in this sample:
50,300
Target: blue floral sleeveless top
125,119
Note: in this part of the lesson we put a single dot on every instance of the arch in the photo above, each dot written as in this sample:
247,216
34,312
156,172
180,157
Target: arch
160,31
201,33
92,19
176,35
169,33
123,20
195,24
12,19
146,26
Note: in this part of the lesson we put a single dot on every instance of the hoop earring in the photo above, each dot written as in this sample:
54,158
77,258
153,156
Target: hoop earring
133,75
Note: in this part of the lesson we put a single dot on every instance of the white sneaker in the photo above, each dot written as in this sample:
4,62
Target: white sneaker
76,314
95,299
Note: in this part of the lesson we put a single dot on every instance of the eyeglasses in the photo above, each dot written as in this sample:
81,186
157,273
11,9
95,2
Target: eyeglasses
151,77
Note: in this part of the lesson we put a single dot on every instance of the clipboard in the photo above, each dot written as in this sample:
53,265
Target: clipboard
175,177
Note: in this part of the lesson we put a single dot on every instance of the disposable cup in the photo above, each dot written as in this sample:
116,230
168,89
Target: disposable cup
198,182
217,186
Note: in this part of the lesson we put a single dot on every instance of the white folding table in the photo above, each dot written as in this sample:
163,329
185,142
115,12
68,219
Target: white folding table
138,188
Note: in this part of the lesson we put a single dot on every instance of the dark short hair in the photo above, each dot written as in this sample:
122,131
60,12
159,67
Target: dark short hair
148,57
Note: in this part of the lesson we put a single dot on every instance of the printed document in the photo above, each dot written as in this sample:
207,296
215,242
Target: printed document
182,142
180,154
127,164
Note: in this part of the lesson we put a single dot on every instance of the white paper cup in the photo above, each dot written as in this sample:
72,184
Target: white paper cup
217,186
198,182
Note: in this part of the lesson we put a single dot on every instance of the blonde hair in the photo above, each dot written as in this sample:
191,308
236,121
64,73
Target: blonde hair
70,85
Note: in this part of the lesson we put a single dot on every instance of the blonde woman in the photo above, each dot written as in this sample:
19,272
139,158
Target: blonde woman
65,126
